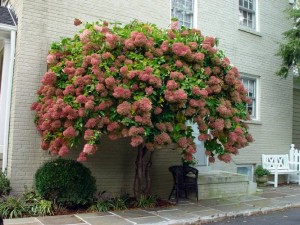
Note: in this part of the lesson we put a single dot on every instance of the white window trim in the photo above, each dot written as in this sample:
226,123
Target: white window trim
257,119
257,18
195,13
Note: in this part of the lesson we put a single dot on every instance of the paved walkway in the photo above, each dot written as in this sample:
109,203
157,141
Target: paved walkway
185,212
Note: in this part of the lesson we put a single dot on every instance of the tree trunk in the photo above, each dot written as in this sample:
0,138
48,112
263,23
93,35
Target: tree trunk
138,179
148,175
142,175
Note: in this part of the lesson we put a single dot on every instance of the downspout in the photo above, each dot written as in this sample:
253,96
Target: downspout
8,98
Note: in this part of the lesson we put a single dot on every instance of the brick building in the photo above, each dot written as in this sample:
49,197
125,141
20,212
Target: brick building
248,30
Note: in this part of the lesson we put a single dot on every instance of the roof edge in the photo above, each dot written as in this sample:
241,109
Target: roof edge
7,27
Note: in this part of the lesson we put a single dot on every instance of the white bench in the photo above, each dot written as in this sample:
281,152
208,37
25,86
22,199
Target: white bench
280,164
295,158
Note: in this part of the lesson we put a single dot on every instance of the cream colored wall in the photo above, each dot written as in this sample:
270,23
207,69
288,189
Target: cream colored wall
296,117
42,22
254,54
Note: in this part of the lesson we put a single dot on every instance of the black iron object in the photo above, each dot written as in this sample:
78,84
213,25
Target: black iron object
185,179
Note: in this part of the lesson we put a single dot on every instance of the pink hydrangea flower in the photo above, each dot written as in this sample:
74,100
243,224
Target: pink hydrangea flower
180,49
49,78
64,150
51,59
70,132
136,141
124,108
89,149
174,25
82,157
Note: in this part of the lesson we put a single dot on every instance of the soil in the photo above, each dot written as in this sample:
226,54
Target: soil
160,203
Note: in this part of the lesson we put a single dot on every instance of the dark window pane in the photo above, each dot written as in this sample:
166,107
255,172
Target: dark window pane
250,5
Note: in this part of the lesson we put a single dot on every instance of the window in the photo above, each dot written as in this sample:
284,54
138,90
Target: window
251,86
246,170
183,10
248,13
4,2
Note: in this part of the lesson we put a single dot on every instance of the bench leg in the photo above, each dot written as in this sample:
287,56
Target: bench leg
276,180
288,179
299,178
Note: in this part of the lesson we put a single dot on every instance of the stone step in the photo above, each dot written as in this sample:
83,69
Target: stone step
216,177
218,184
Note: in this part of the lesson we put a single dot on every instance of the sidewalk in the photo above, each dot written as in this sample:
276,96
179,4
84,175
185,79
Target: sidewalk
186,212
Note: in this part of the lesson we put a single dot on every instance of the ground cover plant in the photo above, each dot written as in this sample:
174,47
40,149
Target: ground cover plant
143,82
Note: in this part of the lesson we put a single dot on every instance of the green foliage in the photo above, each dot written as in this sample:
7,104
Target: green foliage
100,206
13,207
289,51
146,201
4,184
42,208
29,204
37,205
117,203
65,182
260,171
142,82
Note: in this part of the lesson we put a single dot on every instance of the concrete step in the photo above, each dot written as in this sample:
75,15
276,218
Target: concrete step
219,184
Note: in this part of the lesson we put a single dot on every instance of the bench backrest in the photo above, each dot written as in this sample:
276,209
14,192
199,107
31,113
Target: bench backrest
272,162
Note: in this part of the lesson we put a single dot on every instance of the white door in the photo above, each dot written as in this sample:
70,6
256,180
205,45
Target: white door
200,156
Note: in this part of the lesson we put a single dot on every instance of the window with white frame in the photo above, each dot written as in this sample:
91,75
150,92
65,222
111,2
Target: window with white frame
183,10
251,86
248,13
246,170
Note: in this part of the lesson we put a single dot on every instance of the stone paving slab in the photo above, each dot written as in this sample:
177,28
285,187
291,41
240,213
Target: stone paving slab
265,203
272,194
290,191
88,215
106,220
30,223
134,213
214,202
235,207
192,208
209,212
244,198
148,220
175,214
19,221
289,199
60,220
185,212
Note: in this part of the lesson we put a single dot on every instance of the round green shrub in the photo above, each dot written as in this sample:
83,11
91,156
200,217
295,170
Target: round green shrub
65,182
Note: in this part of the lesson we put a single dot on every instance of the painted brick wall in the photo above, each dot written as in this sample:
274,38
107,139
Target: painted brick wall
254,54
41,23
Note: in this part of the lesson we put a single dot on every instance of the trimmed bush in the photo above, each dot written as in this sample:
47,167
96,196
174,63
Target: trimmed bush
65,182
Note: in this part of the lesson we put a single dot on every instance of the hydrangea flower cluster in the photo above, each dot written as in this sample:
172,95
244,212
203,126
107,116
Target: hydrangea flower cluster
141,82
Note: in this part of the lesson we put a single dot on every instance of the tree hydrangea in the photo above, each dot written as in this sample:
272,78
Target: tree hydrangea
141,82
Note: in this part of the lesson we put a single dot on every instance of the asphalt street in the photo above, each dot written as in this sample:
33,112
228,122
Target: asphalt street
284,217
